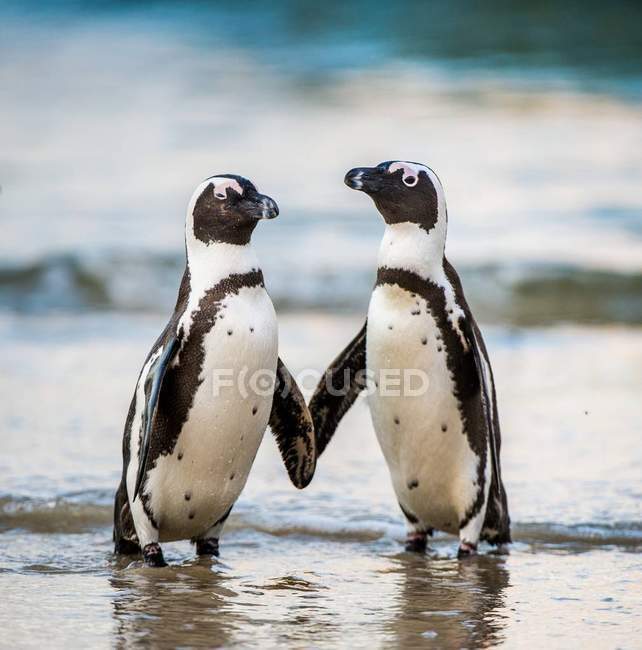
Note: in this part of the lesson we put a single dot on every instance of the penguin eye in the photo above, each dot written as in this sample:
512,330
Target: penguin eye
410,181
220,194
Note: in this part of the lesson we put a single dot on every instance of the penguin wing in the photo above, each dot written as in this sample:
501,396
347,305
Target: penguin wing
292,427
152,386
338,389
485,394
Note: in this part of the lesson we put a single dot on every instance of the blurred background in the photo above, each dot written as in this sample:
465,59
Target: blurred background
112,112
531,113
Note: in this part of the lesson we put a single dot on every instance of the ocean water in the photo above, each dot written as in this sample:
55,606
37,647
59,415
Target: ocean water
531,116
110,118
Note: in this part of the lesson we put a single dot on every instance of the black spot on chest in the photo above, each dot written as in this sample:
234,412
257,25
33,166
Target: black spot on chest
460,362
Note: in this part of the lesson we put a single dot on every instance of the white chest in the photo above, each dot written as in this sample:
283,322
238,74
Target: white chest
195,485
416,418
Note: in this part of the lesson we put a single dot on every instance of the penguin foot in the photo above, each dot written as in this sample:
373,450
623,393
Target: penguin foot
466,549
153,555
126,547
500,549
416,542
207,546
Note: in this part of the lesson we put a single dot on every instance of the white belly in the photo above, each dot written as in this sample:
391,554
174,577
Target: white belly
196,485
432,467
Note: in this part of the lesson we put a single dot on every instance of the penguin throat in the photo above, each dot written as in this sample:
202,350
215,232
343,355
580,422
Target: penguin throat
209,263
408,246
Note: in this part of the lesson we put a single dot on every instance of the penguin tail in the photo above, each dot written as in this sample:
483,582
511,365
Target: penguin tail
124,535
496,529
497,538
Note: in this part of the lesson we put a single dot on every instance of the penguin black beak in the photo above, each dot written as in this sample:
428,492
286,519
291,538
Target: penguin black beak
266,208
365,179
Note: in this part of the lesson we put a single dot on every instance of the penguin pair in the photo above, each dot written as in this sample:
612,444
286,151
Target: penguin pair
189,440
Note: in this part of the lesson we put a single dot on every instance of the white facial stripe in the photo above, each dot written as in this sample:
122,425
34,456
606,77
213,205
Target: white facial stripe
358,183
411,170
441,195
222,184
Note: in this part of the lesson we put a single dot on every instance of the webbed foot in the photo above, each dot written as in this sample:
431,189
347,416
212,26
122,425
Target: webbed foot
416,542
466,549
153,555
208,546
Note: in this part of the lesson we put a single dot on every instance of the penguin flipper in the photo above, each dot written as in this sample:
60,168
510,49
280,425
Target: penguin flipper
152,386
486,401
291,424
338,389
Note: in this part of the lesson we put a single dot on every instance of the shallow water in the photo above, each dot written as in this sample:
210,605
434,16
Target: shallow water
323,567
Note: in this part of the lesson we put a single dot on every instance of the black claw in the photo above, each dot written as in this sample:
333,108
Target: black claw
466,550
416,543
207,546
153,555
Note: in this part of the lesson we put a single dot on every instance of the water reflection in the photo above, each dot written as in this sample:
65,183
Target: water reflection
453,604
406,602
205,604
177,606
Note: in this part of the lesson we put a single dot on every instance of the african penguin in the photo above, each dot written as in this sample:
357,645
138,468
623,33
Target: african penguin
440,436
209,387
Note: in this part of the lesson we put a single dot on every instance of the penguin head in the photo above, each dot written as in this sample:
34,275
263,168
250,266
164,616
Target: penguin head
226,208
402,191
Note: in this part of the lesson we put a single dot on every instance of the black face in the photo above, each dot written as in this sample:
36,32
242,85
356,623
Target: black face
227,215
400,195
